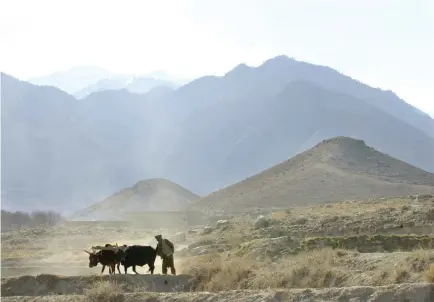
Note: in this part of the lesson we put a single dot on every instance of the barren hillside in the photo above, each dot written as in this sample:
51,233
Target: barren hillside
149,195
341,168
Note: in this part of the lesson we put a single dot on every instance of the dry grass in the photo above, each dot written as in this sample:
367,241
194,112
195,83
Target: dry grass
429,274
367,208
318,269
385,216
104,291
334,245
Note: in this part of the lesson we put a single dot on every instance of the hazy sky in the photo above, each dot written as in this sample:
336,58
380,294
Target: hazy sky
384,43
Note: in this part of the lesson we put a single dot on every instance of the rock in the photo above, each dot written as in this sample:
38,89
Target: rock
222,223
192,231
200,250
262,222
207,230
424,197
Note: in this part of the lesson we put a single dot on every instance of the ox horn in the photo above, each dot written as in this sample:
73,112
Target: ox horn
88,252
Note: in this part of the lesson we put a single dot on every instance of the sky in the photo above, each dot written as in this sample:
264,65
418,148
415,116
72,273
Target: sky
384,43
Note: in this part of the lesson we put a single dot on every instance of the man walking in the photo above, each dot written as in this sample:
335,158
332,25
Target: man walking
165,250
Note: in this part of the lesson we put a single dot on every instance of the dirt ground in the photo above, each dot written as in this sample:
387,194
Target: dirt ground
368,250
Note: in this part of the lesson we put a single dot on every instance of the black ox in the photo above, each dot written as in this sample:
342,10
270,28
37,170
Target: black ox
139,255
107,257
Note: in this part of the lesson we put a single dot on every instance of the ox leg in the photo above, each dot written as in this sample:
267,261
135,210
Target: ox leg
151,268
118,268
134,269
103,268
125,268
113,269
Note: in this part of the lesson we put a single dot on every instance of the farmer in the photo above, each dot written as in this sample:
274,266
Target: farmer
165,250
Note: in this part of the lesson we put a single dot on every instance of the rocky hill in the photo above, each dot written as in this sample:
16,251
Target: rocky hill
148,195
337,169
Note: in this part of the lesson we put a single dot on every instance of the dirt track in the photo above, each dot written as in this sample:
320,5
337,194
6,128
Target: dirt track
398,293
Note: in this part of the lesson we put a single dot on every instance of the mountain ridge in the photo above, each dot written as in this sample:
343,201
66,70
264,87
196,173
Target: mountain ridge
272,129
208,134
317,176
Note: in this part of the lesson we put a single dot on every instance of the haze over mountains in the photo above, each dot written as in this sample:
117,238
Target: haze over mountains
148,195
82,81
66,153
337,169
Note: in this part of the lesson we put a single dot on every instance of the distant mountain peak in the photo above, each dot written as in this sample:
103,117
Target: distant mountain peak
239,69
146,195
279,59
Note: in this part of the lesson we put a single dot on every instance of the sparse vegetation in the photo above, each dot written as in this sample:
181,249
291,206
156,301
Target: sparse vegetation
104,291
319,268
335,245
429,274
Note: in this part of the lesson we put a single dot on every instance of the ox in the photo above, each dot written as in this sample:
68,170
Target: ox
109,255
139,255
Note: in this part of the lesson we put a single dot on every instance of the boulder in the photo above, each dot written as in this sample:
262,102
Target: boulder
222,223
262,222
207,230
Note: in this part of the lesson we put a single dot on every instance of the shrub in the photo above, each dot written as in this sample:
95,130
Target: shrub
104,291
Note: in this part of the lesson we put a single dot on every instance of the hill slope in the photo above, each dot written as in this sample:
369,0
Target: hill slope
46,153
148,195
246,135
61,153
340,168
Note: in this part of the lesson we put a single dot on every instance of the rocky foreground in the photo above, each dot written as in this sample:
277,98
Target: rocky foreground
398,293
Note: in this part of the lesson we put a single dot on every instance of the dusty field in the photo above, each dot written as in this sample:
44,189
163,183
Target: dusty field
376,250
60,250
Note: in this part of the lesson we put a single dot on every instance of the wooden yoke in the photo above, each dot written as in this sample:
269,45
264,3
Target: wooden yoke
108,248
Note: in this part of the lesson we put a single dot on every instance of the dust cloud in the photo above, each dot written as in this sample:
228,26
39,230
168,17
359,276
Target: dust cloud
60,250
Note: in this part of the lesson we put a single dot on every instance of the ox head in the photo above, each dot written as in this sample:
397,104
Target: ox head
93,258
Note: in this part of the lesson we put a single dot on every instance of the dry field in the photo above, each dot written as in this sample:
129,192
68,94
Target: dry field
371,250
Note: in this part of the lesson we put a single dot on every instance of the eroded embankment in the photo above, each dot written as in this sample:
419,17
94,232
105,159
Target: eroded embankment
42,285
398,293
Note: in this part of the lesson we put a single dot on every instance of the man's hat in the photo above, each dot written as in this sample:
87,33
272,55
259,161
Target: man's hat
158,237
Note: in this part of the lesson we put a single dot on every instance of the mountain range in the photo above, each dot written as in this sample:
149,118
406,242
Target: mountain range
84,80
65,153
140,85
